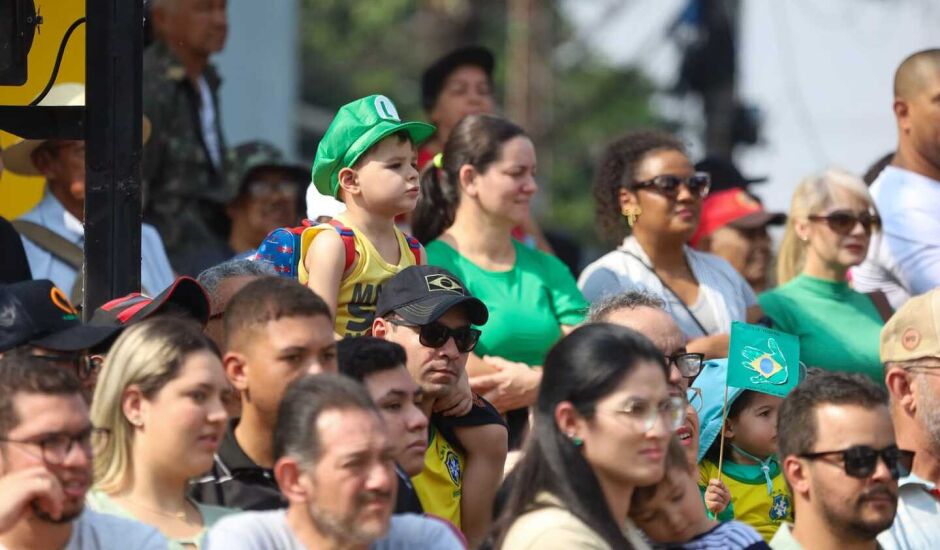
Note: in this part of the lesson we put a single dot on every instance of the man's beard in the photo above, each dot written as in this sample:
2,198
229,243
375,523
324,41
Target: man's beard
855,527
347,529
65,518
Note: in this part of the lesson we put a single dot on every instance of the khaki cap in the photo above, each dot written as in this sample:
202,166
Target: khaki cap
913,332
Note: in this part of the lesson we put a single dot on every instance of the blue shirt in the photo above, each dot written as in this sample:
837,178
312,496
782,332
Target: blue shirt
155,271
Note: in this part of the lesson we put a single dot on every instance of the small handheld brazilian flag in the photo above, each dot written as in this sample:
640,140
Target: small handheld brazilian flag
763,360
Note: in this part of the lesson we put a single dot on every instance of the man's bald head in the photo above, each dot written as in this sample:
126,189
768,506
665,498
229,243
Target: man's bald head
914,72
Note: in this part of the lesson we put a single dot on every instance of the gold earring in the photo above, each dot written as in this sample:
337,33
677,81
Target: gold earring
632,213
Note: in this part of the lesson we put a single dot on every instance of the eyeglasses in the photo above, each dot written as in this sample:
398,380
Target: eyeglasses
55,448
689,364
698,184
260,188
435,335
843,222
694,398
85,366
671,412
861,460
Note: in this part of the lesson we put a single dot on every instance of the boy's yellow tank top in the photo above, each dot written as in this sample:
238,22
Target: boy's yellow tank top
359,290
750,502
440,484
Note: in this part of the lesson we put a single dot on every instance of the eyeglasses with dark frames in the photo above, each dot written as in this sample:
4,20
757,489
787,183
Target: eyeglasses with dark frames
689,364
435,335
55,448
843,222
698,184
861,461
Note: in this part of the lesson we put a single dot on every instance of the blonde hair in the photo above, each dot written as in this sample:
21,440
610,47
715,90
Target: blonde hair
147,355
812,196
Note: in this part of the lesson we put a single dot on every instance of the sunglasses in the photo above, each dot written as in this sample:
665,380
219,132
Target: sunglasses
698,184
85,366
860,461
435,335
843,222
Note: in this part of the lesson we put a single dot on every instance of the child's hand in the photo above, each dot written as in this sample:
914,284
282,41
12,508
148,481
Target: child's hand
717,497
458,401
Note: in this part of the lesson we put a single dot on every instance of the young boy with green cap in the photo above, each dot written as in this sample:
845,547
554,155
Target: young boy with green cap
368,160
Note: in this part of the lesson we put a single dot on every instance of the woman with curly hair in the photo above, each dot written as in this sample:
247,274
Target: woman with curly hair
648,194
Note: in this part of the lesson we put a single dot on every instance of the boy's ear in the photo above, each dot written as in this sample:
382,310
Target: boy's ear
349,181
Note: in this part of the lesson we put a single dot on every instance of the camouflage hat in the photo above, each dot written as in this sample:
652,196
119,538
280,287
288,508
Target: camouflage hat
253,155
357,127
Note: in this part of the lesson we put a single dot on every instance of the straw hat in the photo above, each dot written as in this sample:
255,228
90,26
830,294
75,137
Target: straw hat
17,158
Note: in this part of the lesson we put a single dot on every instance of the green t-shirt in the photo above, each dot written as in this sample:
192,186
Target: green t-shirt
528,304
839,329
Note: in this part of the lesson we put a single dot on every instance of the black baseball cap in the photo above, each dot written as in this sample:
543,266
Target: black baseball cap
185,295
724,174
38,313
432,81
421,294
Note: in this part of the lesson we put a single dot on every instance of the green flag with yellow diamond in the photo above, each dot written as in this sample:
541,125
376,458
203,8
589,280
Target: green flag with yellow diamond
763,360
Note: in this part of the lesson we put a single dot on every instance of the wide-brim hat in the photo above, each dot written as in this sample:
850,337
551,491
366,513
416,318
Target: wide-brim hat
18,157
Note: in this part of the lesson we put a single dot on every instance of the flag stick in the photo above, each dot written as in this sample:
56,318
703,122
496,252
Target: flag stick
721,444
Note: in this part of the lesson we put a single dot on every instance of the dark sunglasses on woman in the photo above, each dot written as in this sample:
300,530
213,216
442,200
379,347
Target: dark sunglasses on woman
861,461
843,222
698,184
435,335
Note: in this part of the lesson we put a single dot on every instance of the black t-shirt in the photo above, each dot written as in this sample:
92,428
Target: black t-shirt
406,501
481,414
235,481
13,265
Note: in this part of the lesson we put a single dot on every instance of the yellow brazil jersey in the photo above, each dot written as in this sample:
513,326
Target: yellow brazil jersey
440,484
751,502
359,290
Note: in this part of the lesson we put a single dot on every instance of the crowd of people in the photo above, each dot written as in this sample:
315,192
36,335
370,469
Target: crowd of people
360,387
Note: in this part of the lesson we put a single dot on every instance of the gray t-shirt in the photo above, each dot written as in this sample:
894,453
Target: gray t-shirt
94,531
269,531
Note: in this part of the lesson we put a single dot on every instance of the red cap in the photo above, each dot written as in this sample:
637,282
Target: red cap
185,294
734,207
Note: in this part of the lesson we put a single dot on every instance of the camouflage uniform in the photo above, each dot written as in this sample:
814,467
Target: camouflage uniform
184,192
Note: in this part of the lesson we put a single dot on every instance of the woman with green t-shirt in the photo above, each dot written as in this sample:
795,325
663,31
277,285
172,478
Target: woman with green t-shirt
479,188
831,220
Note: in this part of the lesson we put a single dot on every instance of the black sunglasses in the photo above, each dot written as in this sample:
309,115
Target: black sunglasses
843,221
698,184
861,460
435,335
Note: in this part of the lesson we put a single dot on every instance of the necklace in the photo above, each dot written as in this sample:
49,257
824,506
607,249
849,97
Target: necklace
181,515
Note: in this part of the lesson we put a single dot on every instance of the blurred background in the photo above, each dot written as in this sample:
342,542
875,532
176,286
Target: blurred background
783,88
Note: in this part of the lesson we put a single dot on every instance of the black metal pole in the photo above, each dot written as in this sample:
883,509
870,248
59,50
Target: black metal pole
114,106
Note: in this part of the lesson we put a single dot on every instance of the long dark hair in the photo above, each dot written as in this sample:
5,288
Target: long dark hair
477,140
582,368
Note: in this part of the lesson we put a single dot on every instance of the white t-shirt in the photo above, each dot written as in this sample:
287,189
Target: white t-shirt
269,531
724,295
94,531
917,523
207,116
904,257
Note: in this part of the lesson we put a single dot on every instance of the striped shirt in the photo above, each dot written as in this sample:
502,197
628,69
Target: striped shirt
730,535
724,295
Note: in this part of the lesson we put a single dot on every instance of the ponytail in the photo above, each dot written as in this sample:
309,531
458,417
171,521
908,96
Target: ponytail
436,206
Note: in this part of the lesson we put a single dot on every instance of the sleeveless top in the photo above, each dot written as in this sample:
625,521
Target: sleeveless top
359,289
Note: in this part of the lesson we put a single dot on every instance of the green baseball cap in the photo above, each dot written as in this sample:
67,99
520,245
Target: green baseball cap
357,127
